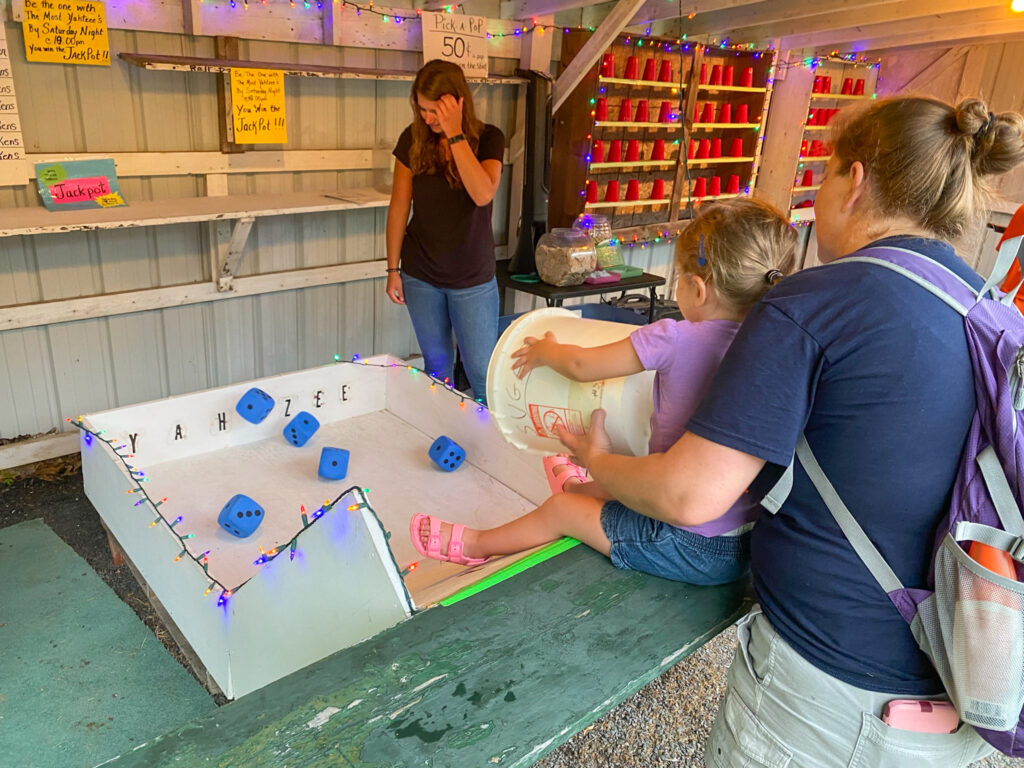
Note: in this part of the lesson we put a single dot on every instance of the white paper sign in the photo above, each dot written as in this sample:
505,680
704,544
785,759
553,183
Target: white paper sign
456,38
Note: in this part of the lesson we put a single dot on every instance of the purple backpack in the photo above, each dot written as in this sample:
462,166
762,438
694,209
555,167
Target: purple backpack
971,623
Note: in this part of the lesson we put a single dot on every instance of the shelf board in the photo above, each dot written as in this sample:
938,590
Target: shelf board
619,124
709,197
817,127
634,164
735,88
628,204
718,160
807,189
815,158
222,66
146,213
801,214
642,83
713,126
839,96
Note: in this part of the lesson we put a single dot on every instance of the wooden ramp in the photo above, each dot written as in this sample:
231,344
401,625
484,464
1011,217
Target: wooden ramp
500,678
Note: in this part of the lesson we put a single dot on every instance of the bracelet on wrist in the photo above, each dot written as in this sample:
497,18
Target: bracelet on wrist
456,139
393,269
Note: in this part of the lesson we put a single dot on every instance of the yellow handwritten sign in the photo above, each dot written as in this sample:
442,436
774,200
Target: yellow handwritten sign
257,106
66,32
112,200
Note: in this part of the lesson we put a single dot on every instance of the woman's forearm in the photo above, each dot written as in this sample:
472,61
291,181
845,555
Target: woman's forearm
480,185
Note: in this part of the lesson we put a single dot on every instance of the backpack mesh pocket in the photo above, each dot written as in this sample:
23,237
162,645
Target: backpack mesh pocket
972,628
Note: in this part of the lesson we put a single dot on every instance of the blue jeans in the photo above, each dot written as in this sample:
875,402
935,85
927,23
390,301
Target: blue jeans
471,312
641,543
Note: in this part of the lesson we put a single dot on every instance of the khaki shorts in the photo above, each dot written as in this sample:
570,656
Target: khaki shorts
780,711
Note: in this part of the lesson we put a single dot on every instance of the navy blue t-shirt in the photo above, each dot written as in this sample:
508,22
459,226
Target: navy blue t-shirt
875,371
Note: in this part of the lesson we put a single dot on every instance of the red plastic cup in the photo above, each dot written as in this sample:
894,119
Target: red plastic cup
632,151
728,72
665,112
725,113
732,187
691,152
658,189
847,86
703,73
611,193
641,111
632,190
625,111
817,84
858,87
826,84
665,72
696,111
649,68
816,148
615,151
608,65
597,152
700,187
737,148
704,149
708,114
716,147
807,180
715,186
805,204
716,75
741,114
658,150
601,109
632,66
747,78
591,191
803,149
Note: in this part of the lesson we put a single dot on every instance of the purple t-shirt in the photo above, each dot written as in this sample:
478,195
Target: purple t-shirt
685,357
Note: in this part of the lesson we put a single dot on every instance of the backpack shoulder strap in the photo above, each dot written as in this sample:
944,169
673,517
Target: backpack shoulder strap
859,540
877,256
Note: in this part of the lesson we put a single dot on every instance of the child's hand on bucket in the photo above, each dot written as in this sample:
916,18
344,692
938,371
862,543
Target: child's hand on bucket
534,353
583,448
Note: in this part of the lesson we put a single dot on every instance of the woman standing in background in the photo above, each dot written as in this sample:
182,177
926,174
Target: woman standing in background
441,263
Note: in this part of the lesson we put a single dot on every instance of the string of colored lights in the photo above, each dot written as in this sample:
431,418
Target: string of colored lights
139,478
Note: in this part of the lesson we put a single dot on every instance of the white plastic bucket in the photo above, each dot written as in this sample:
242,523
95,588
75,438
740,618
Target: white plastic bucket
527,410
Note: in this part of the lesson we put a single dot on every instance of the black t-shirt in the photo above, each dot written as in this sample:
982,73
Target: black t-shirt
875,371
449,242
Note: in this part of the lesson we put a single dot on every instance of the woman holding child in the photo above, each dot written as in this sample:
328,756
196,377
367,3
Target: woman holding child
875,373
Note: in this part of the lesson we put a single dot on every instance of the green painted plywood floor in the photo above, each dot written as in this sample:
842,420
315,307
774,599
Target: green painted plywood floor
81,678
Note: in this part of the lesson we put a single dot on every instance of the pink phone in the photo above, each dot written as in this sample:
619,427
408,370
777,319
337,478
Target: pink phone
921,716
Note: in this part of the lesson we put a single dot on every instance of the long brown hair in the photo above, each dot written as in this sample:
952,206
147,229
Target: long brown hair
928,160
436,79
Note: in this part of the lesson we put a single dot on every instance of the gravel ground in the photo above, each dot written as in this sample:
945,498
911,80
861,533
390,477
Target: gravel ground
664,725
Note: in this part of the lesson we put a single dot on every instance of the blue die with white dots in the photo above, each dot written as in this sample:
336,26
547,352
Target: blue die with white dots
241,516
301,428
447,454
255,405
333,463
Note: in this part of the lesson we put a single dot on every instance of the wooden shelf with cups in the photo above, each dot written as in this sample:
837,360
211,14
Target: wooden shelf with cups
837,83
626,160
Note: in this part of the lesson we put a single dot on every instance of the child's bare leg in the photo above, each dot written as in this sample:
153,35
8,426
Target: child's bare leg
562,515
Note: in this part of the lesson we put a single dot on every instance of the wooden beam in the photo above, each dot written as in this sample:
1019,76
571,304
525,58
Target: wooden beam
927,30
535,52
783,133
770,12
191,16
970,78
592,50
112,304
854,17
40,449
658,10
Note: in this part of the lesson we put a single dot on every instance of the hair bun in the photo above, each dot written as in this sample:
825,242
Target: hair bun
997,139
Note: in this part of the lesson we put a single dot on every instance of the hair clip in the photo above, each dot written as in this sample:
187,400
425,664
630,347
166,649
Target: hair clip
701,259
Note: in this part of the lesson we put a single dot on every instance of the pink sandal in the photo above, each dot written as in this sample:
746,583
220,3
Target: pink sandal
557,482
433,549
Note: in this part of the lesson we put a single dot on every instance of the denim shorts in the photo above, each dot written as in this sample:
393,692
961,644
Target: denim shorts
641,543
